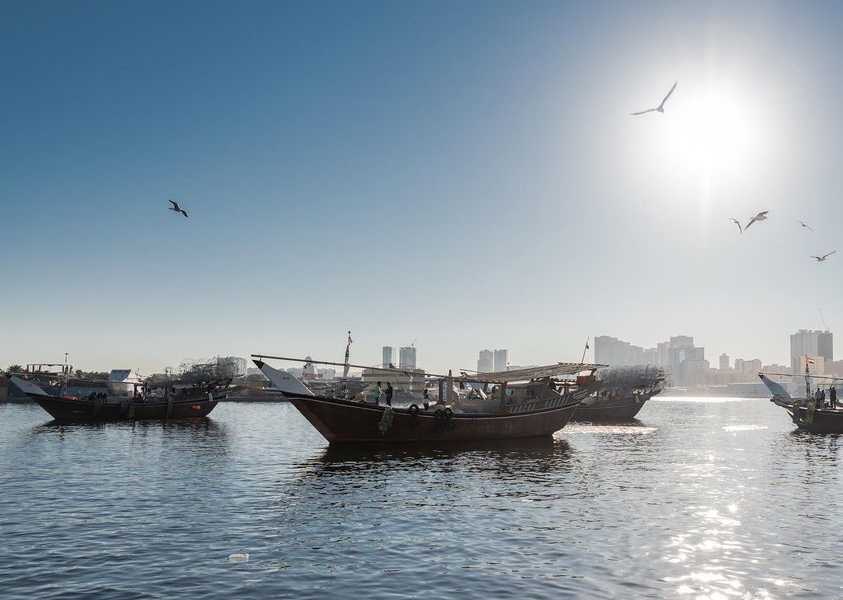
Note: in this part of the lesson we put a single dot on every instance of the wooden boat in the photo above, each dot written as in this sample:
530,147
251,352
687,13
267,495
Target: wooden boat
345,421
621,394
612,406
807,416
528,410
184,403
804,412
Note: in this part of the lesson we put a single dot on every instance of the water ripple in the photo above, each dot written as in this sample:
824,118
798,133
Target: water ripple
697,500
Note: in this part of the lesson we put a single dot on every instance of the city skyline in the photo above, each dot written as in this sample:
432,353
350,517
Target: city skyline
688,365
303,148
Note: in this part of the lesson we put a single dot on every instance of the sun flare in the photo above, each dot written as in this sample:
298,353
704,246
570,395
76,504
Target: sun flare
713,133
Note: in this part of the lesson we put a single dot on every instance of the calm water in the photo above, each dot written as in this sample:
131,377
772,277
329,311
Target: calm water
703,499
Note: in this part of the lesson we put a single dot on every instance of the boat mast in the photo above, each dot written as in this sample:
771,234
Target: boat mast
65,384
807,380
347,352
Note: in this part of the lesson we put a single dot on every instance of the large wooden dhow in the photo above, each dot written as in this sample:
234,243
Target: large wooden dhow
182,402
527,403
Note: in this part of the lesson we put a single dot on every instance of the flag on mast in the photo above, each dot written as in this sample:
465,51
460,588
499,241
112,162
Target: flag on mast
584,351
347,352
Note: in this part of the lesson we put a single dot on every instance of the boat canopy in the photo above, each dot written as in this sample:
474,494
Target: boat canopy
554,370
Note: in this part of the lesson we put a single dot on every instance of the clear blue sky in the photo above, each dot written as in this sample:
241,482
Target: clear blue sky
465,175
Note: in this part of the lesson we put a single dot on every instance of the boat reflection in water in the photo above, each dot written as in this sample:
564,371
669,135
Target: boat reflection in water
522,403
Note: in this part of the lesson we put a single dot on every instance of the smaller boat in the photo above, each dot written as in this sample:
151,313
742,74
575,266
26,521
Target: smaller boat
172,402
806,413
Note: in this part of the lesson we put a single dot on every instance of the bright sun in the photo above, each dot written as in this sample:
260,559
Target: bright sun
711,133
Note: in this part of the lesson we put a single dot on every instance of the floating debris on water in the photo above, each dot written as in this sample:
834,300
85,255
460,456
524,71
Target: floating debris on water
238,557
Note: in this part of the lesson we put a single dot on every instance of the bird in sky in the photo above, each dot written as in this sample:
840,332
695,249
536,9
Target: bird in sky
659,108
176,208
738,223
805,225
762,216
824,256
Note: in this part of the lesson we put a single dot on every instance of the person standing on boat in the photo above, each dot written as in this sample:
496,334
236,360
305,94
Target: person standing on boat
376,394
832,395
388,394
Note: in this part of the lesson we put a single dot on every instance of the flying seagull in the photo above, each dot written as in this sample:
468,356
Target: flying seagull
805,225
762,216
738,223
824,256
660,107
176,208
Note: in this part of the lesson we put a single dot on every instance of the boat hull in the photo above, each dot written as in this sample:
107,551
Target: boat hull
823,420
346,422
66,409
623,408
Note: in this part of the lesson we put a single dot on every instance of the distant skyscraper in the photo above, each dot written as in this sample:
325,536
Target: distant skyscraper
407,357
806,342
612,351
724,362
501,359
753,366
484,362
387,356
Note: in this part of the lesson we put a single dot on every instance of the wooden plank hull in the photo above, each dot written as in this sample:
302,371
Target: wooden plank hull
622,408
346,422
67,409
823,420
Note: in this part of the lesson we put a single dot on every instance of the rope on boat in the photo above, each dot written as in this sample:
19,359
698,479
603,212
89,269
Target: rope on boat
386,420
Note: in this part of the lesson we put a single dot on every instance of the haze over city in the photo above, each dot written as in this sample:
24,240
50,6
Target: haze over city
460,176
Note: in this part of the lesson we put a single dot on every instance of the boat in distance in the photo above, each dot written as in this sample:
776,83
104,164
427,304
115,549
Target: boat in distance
806,413
187,403
621,393
526,403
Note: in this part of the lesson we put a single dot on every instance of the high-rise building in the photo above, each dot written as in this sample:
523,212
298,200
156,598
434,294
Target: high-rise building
501,360
612,351
807,342
685,362
407,357
388,361
484,362
724,362
663,354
